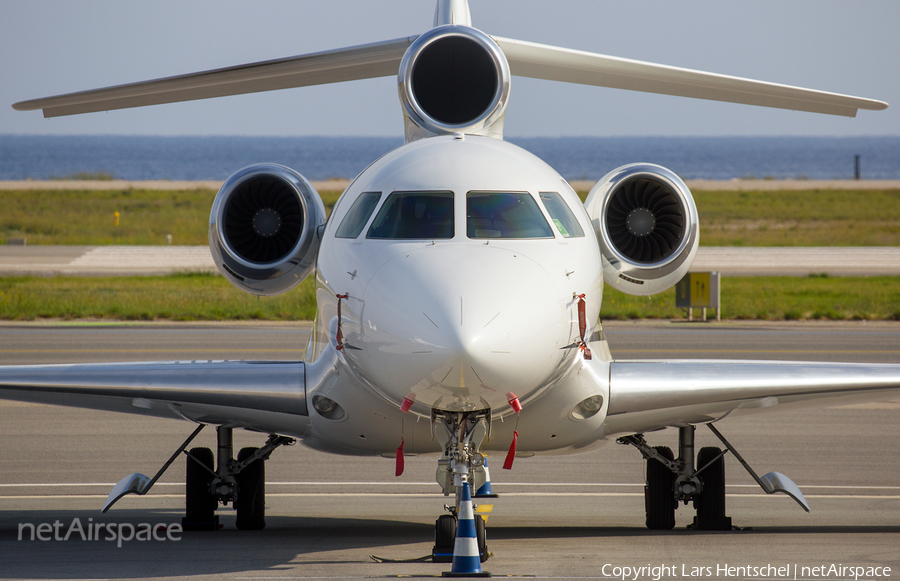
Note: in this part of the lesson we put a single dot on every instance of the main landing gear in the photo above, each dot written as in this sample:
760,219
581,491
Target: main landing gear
241,482
461,435
214,479
670,481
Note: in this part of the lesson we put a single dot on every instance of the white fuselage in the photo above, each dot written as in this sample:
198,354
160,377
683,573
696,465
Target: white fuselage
464,319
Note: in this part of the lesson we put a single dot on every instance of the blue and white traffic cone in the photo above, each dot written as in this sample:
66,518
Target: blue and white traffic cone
485,490
466,560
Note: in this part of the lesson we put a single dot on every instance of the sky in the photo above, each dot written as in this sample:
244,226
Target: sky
49,47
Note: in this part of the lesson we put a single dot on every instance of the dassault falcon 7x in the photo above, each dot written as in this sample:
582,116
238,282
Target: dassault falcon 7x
459,281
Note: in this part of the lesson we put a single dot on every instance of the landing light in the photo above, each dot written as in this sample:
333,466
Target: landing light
587,408
328,408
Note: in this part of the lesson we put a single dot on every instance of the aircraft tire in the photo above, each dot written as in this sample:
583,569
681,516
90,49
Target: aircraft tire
659,497
251,495
199,503
710,505
445,538
481,534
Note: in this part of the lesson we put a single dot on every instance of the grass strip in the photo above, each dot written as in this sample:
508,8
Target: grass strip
776,298
727,218
209,297
180,297
798,217
101,217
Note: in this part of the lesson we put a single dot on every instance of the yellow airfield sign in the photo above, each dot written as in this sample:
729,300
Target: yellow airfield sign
698,290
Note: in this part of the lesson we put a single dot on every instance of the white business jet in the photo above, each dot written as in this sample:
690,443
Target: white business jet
459,281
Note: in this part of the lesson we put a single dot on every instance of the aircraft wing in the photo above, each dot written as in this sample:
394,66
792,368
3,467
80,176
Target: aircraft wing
539,61
271,396
266,396
380,59
648,395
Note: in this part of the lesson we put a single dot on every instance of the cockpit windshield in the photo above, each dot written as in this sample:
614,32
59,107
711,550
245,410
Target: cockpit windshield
414,215
504,215
562,215
355,220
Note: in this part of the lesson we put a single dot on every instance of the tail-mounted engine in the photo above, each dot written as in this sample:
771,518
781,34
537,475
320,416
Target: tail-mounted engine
646,224
263,229
454,79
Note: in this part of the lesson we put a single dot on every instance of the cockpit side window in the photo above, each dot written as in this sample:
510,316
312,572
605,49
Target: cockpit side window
562,215
414,216
504,215
359,214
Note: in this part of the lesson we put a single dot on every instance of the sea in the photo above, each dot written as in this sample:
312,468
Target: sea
576,158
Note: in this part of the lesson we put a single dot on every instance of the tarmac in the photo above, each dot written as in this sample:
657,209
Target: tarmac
557,517
158,260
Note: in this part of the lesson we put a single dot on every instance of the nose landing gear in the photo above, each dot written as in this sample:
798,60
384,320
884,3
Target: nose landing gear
445,537
461,435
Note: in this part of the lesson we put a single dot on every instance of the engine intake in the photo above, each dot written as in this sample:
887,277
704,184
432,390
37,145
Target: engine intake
263,229
646,223
645,220
454,79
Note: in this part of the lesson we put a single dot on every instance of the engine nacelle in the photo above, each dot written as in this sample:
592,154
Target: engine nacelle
264,229
646,223
454,79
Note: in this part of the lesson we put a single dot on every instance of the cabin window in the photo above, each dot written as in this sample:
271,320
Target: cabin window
414,215
504,215
360,212
562,215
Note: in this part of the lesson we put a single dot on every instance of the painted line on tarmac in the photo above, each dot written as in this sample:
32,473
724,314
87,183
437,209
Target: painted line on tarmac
320,483
392,484
641,494
151,350
438,494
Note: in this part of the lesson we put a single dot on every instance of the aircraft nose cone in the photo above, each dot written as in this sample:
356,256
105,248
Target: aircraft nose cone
460,327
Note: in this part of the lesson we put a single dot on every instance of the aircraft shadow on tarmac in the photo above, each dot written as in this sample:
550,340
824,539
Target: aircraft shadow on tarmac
285,541
539,532
282,545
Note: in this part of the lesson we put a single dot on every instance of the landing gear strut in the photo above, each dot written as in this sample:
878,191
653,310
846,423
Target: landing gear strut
461,435
670,481
241,482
